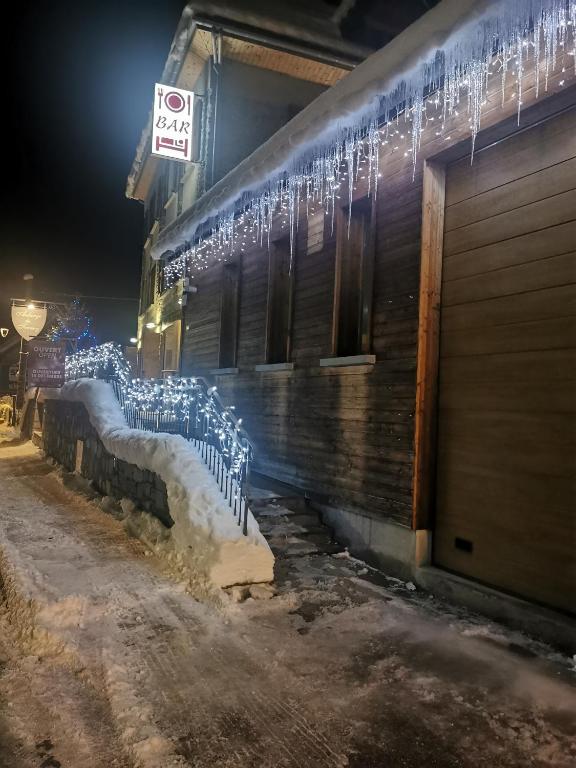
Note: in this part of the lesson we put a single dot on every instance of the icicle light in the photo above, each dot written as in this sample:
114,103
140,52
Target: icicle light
498,44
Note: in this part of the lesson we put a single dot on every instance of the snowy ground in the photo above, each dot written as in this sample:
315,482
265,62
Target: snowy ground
7,433
105,660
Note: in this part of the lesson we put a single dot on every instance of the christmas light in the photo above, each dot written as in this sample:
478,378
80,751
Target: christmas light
182,405
103,362
496,44
73,325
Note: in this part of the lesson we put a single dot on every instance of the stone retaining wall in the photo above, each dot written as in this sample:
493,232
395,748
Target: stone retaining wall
70,438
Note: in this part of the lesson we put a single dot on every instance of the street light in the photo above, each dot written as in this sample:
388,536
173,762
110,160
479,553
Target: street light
133,340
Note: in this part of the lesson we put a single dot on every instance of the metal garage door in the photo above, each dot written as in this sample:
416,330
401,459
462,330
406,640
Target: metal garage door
506,502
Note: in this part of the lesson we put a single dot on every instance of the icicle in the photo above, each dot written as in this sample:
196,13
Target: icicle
349,157
536,44
476,95
417,110
463,69
520,46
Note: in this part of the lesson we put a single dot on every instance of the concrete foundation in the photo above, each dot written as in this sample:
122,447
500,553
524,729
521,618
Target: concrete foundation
406,554
557,629
394,548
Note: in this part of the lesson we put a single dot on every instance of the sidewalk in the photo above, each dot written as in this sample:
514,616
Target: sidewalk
125,668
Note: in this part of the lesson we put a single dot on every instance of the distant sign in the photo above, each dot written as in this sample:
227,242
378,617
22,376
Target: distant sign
28,320
172,131
46,361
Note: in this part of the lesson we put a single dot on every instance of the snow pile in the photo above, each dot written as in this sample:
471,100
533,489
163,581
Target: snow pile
205,533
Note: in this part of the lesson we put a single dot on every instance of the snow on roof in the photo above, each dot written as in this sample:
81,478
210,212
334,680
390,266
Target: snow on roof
398,70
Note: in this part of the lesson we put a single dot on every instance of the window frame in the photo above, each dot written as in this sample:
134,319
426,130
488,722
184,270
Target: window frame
280,249
367,206
230,303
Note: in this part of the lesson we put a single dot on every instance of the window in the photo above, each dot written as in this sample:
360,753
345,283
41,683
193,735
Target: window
171,351
280,289
151,284
354,280
229,304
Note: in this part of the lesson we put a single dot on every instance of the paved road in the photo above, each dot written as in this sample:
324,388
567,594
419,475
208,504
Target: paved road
107,661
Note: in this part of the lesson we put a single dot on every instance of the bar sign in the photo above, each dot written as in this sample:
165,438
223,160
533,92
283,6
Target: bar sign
172,122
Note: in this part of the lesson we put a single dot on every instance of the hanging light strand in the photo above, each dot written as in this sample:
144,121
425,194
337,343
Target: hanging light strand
501,44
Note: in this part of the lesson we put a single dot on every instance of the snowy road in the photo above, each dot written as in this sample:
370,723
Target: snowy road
107,661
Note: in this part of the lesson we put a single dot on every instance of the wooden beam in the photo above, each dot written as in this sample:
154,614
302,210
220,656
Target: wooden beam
428,344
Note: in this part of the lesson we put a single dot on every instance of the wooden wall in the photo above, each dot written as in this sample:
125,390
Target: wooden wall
201,321
344,433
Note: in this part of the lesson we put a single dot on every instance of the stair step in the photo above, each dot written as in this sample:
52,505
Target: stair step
290,546
285,526
260,495
280,510
291,526
290,503
269,515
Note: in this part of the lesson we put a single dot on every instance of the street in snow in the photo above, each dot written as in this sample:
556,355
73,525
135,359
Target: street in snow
107,660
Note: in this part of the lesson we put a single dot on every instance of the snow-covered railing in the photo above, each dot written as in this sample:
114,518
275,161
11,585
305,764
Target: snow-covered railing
105,361
183,406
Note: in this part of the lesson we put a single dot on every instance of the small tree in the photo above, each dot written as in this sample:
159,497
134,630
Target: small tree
73,325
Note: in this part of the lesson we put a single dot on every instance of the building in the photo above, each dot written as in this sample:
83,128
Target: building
394,317
251,71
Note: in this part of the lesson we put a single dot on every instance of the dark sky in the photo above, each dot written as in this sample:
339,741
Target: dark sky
78,85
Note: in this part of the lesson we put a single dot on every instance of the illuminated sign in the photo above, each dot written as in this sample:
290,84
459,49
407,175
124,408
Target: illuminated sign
46,364
28,320
172,126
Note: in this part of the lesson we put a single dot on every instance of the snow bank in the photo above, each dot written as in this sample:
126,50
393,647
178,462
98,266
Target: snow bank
205,532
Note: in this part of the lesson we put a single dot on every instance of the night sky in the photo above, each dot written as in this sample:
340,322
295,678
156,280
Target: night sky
78,85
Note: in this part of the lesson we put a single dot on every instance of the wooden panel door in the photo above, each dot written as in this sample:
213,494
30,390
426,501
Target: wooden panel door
506,480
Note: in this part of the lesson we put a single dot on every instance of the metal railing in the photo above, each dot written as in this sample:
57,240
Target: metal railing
189,407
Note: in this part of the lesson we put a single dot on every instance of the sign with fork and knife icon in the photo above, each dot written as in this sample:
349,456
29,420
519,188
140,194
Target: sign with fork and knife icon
172,122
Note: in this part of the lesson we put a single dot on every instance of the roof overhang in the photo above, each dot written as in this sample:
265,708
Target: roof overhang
192,46
321,120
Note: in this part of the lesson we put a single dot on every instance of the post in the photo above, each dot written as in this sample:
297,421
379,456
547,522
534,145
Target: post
21,388
428,345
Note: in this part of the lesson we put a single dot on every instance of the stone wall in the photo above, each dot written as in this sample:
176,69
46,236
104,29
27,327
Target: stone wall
70,438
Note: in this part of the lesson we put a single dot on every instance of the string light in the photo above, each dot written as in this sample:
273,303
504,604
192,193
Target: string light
103,362
185,403
498,45
73,324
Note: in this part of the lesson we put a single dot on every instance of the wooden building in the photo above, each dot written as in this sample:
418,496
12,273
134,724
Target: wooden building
411,362
251,72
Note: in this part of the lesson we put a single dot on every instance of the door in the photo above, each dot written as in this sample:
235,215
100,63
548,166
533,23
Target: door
506,490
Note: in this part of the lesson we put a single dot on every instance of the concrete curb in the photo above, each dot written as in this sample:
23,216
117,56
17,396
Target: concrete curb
556,629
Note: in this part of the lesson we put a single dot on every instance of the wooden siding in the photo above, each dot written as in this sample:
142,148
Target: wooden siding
507,391
344,433
202,325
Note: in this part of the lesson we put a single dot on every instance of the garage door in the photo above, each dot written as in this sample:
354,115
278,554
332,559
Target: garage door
506,481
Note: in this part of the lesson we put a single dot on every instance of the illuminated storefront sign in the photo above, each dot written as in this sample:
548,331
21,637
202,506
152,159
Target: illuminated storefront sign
28,319
46,364
172,125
